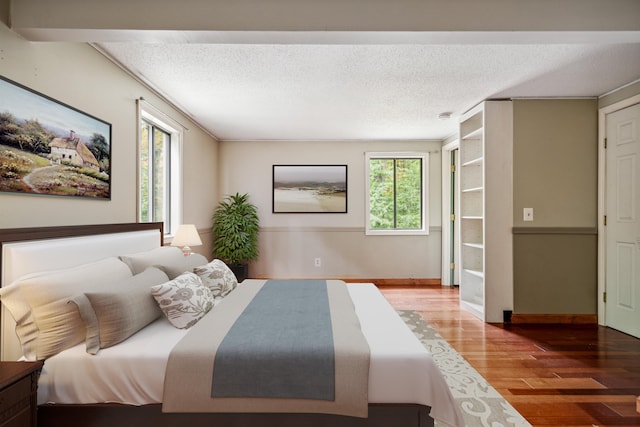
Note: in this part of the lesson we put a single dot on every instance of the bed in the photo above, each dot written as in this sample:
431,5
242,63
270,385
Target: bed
124,384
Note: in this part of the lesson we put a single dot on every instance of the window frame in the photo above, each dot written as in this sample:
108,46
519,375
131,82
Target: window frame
424,229
157,118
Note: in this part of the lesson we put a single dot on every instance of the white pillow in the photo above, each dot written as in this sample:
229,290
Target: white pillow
51,324
218,277
183,300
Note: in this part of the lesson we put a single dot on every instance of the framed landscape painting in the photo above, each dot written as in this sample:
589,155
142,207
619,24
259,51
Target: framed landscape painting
309,188
47,147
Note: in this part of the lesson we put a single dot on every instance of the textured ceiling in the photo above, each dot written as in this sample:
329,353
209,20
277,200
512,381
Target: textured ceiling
367,90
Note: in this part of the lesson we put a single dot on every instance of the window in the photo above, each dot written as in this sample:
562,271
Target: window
159,166
396,201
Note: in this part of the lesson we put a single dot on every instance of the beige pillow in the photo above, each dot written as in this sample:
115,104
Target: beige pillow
218,277
112,317
169,258
183,265
16,304
183,300
139,261
52,324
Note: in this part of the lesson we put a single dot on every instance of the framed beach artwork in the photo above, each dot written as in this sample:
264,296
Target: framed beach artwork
309,188
50,148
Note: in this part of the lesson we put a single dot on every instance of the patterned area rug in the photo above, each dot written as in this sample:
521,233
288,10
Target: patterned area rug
481,404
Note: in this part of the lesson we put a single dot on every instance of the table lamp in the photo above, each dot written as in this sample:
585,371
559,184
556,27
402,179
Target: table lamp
186,236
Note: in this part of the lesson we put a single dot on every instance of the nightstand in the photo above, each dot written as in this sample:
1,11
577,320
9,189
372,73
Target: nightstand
18,401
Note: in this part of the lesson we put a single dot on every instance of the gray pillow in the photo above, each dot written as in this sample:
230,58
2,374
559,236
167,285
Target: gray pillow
139,261
112,317
169,258
186,264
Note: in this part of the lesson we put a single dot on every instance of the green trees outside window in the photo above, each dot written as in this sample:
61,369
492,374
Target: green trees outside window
154,172
396,198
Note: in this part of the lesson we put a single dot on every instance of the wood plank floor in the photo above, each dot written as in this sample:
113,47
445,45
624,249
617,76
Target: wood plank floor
554,375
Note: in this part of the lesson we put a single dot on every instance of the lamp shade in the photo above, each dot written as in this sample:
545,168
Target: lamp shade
186,235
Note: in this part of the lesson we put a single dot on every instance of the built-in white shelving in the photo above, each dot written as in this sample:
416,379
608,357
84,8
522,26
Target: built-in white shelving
486,207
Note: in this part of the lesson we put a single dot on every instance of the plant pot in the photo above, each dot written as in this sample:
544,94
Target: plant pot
241,271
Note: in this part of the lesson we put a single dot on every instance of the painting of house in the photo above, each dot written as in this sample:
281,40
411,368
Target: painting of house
73,151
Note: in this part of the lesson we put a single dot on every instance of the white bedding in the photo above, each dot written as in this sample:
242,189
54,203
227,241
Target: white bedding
401,369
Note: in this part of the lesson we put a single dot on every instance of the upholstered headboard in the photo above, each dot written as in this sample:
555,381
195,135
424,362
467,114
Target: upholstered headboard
33,250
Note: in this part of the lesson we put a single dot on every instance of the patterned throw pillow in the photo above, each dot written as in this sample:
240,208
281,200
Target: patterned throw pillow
218,277
184,300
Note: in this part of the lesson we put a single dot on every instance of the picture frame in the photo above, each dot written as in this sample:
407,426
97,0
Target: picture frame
309,188
51,148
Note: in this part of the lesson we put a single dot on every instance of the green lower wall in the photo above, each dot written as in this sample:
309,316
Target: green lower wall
555,273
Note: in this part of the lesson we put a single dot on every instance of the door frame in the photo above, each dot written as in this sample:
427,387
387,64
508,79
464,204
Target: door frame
602,241
445,277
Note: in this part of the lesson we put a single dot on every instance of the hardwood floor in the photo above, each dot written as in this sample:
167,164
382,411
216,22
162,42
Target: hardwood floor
554,375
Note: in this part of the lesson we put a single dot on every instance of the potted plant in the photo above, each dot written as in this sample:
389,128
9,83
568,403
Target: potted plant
235,233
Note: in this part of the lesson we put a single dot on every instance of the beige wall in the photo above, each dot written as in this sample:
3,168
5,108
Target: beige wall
78,75
555,173
289,243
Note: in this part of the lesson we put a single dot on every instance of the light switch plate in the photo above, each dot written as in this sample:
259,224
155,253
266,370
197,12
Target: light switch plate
528,214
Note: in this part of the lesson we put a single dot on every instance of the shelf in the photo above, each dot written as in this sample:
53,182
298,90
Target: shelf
474,162
472,190
474,245
472,217
476,273
474,134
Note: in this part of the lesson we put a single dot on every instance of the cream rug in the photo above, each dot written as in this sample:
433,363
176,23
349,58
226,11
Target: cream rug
481,404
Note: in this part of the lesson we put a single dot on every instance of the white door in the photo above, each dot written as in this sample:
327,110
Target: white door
622,308
455,210
450,225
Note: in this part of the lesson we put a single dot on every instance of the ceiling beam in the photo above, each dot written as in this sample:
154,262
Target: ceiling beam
149,20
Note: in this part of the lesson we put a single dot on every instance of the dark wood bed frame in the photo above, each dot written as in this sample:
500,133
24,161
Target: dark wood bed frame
380,415
108,415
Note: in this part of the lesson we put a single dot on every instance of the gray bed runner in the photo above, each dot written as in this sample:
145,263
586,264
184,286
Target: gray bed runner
188,377
280,346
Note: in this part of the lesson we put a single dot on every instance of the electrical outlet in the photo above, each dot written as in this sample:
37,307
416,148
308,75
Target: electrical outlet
317,262
528,214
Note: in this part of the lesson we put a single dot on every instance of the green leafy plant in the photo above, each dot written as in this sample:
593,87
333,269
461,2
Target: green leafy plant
235,230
